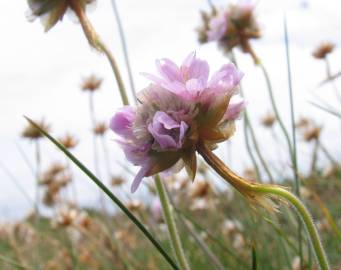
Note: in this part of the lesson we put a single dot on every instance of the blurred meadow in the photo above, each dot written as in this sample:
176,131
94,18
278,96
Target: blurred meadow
53,217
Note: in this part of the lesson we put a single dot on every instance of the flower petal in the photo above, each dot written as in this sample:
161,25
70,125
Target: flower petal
234,109
139,176
121,123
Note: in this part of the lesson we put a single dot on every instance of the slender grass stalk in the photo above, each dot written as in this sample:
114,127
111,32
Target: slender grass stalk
330,77
125,49
26,159
17,184
328,110
249,150
255,143
95,152
260,193
314,157
202,245
15,264
37,174
252,133
328,155
170,221
117,201
327,215
214,239
96,42
293,131
254,257
209,254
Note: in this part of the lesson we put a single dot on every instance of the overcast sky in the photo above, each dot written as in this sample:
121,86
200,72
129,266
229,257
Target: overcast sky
40,76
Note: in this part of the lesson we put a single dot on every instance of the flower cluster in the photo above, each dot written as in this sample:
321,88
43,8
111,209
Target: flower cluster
180,109
231,27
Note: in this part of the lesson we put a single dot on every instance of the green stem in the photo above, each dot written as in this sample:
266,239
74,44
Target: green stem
305,216
96,42
106,190
169,218
248,125
274,106
254,191
248,147
255,143
125,49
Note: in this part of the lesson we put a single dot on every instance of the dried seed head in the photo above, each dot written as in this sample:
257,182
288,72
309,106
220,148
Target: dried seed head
31,132
303,122
91,83
117,181
100,128
134,205
68,141
268,120
312,133
323,50
200,189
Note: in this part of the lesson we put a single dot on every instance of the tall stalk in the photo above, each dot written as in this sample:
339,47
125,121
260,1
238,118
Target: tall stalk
249,127
170,221
125,49
96,42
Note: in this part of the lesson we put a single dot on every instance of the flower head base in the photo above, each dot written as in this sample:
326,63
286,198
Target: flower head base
177,111
52,11
231,27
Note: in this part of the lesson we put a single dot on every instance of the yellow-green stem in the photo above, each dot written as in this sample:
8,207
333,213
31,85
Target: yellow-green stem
169,218
96,42
305,216
254,190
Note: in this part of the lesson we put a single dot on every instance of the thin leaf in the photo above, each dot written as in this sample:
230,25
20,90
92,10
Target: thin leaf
108,193
328,110
254,257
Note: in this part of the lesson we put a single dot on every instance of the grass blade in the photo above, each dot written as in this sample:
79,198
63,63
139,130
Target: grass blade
108,193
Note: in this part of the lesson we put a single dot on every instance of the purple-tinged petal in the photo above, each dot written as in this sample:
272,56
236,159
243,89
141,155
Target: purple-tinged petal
217,26
183,129
226,79
168,133
152,77
169,70
188,60
121,123
195,87
234,110
139,176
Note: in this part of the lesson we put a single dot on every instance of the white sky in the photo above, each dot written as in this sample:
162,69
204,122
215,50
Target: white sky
40,75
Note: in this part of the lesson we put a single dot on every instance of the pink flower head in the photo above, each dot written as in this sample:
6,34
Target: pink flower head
177,111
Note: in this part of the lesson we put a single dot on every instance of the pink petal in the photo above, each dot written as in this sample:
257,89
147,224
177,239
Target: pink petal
139,176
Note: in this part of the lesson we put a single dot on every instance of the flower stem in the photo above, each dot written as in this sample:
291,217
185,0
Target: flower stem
125,49
255,191
169,218
96,42
306,218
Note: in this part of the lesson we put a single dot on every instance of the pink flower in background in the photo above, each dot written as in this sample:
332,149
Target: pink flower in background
217,27
180,109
